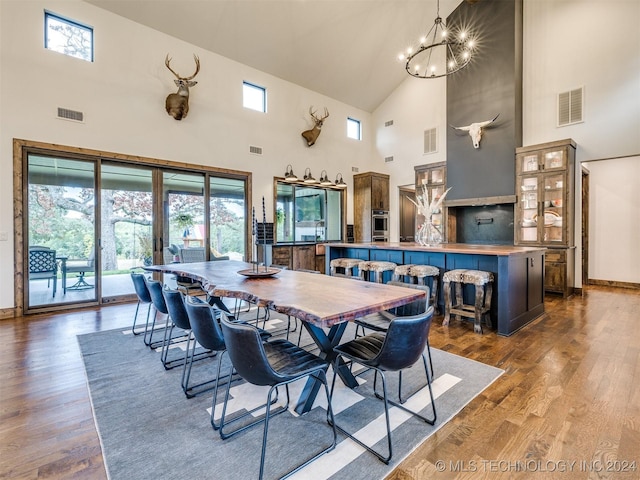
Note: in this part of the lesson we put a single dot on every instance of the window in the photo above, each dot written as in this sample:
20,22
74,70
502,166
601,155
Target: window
353,129
308,214
254,97
68,37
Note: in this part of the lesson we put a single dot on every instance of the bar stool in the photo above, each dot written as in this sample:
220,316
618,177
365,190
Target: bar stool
420,273
375,267
483,282
346,264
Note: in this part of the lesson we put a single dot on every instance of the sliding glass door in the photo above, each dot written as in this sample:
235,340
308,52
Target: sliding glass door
61,231
126,225
88,220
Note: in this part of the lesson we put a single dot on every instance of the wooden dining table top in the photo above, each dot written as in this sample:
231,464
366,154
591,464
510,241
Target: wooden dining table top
321,300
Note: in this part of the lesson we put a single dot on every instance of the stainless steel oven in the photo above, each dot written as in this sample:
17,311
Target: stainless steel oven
379,224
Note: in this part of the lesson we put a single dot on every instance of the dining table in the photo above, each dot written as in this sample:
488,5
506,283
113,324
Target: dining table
325,304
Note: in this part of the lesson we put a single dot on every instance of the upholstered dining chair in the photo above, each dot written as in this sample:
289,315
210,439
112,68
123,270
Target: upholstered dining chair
144,298
274,364
399,348
204,321
178,319
207,333
379,321
160,307
43,265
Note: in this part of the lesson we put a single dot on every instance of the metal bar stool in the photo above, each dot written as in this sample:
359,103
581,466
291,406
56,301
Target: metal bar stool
346,265
375,268
483,282
420,273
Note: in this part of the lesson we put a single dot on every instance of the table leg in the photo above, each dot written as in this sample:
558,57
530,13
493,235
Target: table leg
326,342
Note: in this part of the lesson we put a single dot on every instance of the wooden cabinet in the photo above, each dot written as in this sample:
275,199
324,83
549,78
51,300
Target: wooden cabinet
370,192
431,181
545,209
293,257
304,257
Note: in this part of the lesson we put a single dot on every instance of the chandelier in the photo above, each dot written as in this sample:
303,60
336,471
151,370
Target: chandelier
440,52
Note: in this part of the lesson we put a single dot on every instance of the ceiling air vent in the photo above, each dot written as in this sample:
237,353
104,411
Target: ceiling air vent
72,115
430,141
388,159
570,107
255,150
388,123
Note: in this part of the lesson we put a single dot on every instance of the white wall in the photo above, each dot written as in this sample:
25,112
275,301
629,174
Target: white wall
122,95
567,44
614,226
415,106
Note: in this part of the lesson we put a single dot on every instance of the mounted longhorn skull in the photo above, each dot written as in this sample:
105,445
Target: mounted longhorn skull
312,135
475,130
177,104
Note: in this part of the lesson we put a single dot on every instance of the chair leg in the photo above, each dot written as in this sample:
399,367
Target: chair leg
430,421
223,422
380,456
135,318
321,376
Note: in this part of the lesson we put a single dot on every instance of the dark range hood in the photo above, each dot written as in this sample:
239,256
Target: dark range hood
481,201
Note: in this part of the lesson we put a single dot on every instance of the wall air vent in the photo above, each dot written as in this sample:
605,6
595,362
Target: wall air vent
570,107
355,169
430,141
388,159
72,115
255,150
388,123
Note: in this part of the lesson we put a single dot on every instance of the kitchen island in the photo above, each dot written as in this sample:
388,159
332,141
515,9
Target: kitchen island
518,290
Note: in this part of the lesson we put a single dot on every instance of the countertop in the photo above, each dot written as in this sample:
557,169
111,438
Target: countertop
499,250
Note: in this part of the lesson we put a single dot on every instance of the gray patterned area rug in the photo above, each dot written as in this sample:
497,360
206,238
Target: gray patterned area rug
150,430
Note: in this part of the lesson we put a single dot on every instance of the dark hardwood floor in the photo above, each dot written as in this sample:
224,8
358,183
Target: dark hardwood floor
568,402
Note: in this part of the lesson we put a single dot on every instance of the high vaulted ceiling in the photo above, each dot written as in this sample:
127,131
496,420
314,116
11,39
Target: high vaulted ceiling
345,49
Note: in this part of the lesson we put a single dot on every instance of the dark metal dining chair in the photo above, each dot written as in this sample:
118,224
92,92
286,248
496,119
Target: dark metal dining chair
207,332
174,300
144,298
379,321
160,307
274,364
399,348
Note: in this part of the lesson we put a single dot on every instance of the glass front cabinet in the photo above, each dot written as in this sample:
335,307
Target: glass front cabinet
545,208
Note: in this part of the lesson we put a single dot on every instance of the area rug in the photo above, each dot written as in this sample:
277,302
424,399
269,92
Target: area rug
150,430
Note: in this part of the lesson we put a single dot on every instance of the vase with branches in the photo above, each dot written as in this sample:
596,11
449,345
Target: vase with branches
429,233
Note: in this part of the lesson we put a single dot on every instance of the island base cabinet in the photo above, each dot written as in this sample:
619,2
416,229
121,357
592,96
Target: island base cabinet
519,273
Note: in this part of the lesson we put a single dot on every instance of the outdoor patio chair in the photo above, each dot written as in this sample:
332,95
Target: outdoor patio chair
43,265
399,348
81,267
275,364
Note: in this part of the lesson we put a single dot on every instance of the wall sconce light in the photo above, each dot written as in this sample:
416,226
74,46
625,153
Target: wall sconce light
289,176
308,178
324,179
340,182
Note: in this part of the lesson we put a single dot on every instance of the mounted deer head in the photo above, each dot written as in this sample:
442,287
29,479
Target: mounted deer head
475,130
177,104
312,135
